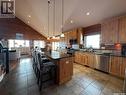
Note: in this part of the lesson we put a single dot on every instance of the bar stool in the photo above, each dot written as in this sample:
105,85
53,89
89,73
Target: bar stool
45,67
43,61
34,65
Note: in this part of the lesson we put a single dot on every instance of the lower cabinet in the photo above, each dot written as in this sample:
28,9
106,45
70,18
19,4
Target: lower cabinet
77,57
123,67
65,69
85,58
117,66
114,66
91,60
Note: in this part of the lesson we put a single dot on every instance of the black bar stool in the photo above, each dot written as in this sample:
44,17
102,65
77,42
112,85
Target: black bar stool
34,65
45,67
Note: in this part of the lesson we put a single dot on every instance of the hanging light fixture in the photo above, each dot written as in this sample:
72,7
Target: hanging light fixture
53,20
62,35
48,38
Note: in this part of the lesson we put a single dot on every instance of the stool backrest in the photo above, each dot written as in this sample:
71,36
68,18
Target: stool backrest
34,56
40,63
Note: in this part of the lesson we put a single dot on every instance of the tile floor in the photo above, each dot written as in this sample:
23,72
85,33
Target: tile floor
85,81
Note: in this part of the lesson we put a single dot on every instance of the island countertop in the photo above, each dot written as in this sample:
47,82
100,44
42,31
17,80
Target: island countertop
55,55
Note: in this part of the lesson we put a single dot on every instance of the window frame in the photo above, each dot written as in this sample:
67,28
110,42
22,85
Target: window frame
85,39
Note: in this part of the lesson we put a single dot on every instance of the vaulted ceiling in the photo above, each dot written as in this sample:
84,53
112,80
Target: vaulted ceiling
35,13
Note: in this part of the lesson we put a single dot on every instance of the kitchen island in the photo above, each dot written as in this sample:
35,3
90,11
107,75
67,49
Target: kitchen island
64,63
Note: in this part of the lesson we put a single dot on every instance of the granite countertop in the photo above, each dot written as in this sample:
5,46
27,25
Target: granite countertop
55,55
106,54
118,55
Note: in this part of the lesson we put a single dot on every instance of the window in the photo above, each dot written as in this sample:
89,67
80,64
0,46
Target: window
55,45
18,43
92,41
39,43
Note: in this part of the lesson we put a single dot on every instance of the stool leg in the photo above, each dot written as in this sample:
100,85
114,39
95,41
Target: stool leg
40,85
38,77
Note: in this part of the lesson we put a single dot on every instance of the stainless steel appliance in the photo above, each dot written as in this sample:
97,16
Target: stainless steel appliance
102,62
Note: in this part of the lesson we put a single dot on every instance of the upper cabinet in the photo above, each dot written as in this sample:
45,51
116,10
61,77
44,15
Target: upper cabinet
109,31
122,29
74,34
114,30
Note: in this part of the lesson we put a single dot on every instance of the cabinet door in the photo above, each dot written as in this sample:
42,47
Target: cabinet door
123,67
81,59
66,69
69,67
109,31
62,66
91,60
114,67
77,57
85,60
122,29
74,34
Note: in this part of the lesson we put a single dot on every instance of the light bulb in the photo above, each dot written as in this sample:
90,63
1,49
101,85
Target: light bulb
53,37
48,38
62,35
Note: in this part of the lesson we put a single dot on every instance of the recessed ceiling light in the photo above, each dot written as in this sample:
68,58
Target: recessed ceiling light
88,13
71,21
9,0
29,16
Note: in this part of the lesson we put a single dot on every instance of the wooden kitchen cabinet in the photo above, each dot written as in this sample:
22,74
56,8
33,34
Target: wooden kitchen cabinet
73,34
65,69
123,67
109,31
81,61
91,60
122,29
79,57
76,59
115,65
85,59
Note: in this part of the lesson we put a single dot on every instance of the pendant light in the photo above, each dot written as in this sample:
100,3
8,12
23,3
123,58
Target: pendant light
54,20
62,35
48,38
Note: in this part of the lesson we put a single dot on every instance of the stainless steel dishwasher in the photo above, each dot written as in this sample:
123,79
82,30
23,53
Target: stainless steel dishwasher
102,62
